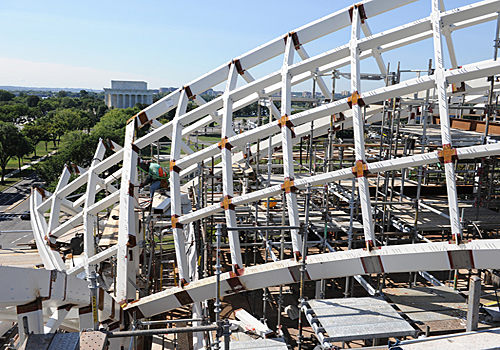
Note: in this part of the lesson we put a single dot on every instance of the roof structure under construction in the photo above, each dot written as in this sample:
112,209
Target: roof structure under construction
322,223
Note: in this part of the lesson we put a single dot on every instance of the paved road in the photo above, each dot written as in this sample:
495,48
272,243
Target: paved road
15,200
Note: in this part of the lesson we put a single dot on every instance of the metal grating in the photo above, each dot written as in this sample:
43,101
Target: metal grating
65,341
93,340
425,304
358,318
38,341
259,344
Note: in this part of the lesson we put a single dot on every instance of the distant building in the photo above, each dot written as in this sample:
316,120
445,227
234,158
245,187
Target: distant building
209,92
125,94
167,89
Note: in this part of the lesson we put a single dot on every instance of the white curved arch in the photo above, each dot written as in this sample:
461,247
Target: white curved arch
236,97
403,258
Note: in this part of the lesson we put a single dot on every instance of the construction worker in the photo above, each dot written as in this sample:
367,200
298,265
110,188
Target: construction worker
157,176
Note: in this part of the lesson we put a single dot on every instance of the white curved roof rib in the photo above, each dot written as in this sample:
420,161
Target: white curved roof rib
435,256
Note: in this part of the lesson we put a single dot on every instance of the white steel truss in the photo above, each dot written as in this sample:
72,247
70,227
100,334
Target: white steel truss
359,109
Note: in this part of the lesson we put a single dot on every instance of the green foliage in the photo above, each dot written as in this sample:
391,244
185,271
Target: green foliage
112,124
78,147
10,138
68,102
32,100
6,95
24,147
35,133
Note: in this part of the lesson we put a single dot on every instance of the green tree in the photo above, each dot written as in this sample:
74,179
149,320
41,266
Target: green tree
10,137
76,147
62,94
32,100
35,133
6,95
68,102
47,105
112,124
24,147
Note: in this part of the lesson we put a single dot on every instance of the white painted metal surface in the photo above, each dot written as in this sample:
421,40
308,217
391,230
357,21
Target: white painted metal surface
386,259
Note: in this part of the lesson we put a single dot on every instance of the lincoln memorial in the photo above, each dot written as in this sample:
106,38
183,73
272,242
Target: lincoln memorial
125,94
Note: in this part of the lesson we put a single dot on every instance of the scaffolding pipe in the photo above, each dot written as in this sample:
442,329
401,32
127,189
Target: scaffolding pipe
159,331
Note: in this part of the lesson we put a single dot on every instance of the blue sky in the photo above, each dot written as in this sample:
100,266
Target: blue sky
85,44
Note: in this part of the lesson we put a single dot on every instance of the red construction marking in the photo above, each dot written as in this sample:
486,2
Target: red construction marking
41,191
30,307
100,300
461,259
285,121
448,154
238,66
360,169
339,117
288,185
130,189
224,143
189,93
174,167
372,264
85,310
295,273
227,203
112,316
175,221
143,118
235,282
362,14
183,297
295,40
132,241
355,99
135,148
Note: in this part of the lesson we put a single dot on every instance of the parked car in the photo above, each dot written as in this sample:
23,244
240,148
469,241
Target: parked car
25,215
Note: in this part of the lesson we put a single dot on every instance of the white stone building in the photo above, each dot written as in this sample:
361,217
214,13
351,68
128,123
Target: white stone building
125,94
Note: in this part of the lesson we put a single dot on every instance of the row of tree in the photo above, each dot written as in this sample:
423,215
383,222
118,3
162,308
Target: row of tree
26,120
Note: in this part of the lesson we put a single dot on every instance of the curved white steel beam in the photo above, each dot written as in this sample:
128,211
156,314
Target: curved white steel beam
386,259
346,173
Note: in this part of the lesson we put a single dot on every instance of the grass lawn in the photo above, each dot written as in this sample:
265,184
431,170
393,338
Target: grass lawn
209,138
13,163
13,180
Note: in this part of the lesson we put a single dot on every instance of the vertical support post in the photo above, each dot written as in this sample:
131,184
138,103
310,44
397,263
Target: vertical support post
175,191
473,304
55,207
358,128
127,222
90,220
30,319
286,139
93,295
490,110
456,229
227,168
227,334
218,272
303,267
